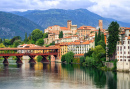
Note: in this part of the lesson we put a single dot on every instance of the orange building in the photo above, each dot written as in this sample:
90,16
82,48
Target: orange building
85,30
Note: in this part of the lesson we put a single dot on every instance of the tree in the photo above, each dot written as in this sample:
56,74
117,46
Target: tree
2,45
102,43
36,34
82,59
40,42
63,58
96,39
15,38
113,31
26,38
53,43
98,53
61,34
89,53
69,57
102,37
99,35
16,43
0,40
7,42
45,35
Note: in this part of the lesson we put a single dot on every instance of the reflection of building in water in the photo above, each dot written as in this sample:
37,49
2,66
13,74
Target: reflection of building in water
123,80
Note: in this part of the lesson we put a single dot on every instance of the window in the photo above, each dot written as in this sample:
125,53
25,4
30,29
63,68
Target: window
124,47
124,52
120,59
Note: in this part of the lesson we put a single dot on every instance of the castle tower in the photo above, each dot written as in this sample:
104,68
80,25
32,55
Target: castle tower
100,24
69,23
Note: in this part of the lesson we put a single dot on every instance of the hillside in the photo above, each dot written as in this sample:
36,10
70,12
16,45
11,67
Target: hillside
13,25
80,17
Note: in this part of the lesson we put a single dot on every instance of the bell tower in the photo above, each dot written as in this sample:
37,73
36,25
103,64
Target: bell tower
69,23
100,24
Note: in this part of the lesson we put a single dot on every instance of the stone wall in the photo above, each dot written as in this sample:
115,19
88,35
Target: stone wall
109,64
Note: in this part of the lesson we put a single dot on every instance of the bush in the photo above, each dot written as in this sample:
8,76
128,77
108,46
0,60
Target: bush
63,58
82,59
76,60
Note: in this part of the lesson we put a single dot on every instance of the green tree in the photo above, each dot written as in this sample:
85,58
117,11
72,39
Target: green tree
53,43
89,53
40,42
63,58
0,40
82,59
16,43
36,34
99,35
61,34
98,53
7,42
26,38
45,35
69,57
15,38
102,43
113,31
2,45
102,37
96,39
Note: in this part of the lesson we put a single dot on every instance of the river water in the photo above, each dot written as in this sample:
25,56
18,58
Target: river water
59,76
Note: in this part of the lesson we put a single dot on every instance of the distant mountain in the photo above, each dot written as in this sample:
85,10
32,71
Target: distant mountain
13,25
80,17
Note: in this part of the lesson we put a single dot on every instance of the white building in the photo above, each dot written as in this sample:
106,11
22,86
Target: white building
123,51
80,47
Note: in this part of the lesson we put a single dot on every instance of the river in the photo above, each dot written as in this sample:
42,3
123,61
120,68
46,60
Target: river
59,76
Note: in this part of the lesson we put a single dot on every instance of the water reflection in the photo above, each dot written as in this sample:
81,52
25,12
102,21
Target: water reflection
59,76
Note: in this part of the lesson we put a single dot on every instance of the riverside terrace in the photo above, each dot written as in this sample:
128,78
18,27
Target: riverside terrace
31,52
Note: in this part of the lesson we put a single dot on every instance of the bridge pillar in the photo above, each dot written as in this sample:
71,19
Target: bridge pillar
19,61
32,59
55,57
44,59
5,60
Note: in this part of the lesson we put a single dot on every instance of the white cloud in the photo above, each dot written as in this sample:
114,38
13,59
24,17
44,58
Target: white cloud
117,9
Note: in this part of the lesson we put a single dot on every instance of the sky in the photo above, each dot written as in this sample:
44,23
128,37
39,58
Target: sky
116,9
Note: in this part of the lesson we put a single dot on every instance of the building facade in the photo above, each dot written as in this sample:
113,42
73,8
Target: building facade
123,51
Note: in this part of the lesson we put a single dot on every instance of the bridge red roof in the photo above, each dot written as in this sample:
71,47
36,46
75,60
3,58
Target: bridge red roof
32,48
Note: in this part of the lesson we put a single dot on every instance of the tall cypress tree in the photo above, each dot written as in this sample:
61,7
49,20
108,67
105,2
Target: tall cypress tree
113,30
96,39
61,34
102,37
99,35
0,40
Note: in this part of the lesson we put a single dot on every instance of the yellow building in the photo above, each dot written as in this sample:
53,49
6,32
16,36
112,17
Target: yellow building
63,49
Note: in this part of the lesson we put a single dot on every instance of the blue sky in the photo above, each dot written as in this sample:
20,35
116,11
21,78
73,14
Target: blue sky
117,9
